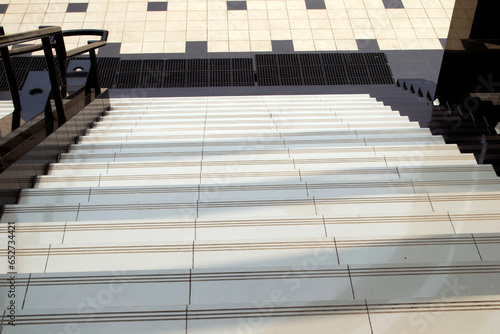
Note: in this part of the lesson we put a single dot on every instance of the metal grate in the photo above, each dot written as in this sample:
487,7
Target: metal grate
270,70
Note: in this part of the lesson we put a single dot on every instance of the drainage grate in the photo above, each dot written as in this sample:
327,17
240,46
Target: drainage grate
322,68
271,70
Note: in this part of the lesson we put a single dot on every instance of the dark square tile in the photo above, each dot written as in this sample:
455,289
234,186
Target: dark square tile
77,7
3,8
236,5
196,48
443,42
393,4
160,6
315,4
110,50
368,45
285,46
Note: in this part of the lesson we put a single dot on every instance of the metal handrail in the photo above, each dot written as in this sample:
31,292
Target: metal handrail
52,38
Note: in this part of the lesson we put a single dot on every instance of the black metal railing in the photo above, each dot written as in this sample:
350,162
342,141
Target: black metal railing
27,132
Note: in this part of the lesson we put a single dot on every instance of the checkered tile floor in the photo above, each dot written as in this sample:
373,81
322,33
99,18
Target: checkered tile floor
219,26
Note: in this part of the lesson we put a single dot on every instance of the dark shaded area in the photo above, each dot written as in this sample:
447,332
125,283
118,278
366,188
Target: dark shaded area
285,46
77,7
160,6
315,4
236,5
393,4
3,8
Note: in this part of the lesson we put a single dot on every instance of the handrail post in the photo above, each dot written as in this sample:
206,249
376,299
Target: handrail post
56,91
11,80
94,73
61,58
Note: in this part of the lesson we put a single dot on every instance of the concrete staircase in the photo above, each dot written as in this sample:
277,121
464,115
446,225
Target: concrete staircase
258,214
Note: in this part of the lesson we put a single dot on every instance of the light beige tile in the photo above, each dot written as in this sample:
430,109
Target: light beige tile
256,5
239,46
197,5
152,47
217,25
176,25
116,7
397,13
33,19
135,26
259,14
364,33
377,14
418,23
176,35
133,37
196,15
320,24
436,12
276,4
177,6
174,47
430,44
237,15
448,3
217,5
361,23
277,14
346,44
116,16
374,4
295,5
218,46
343,33
277,35
325,45
260,35
74,17
11,28
237,24
95,7
54,17
425,33
317,14
135,16
72,25
297,14
381,23
131,48
92,25
137,7
401,23
59,8
416,12
197,25
405,33
440,22
442,32
354,4
431,4
279,24
196,35
95,17
384,33
215,35
261,46
388,44
303,45
36,8
337,14
258,24
159,26
409,44
357,13
340,23
299,24
217,15
302,34
156,16
239,35
412,4
20,9
334,4
322,34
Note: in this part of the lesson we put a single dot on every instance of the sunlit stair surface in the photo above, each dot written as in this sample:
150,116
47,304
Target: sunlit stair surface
257,214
